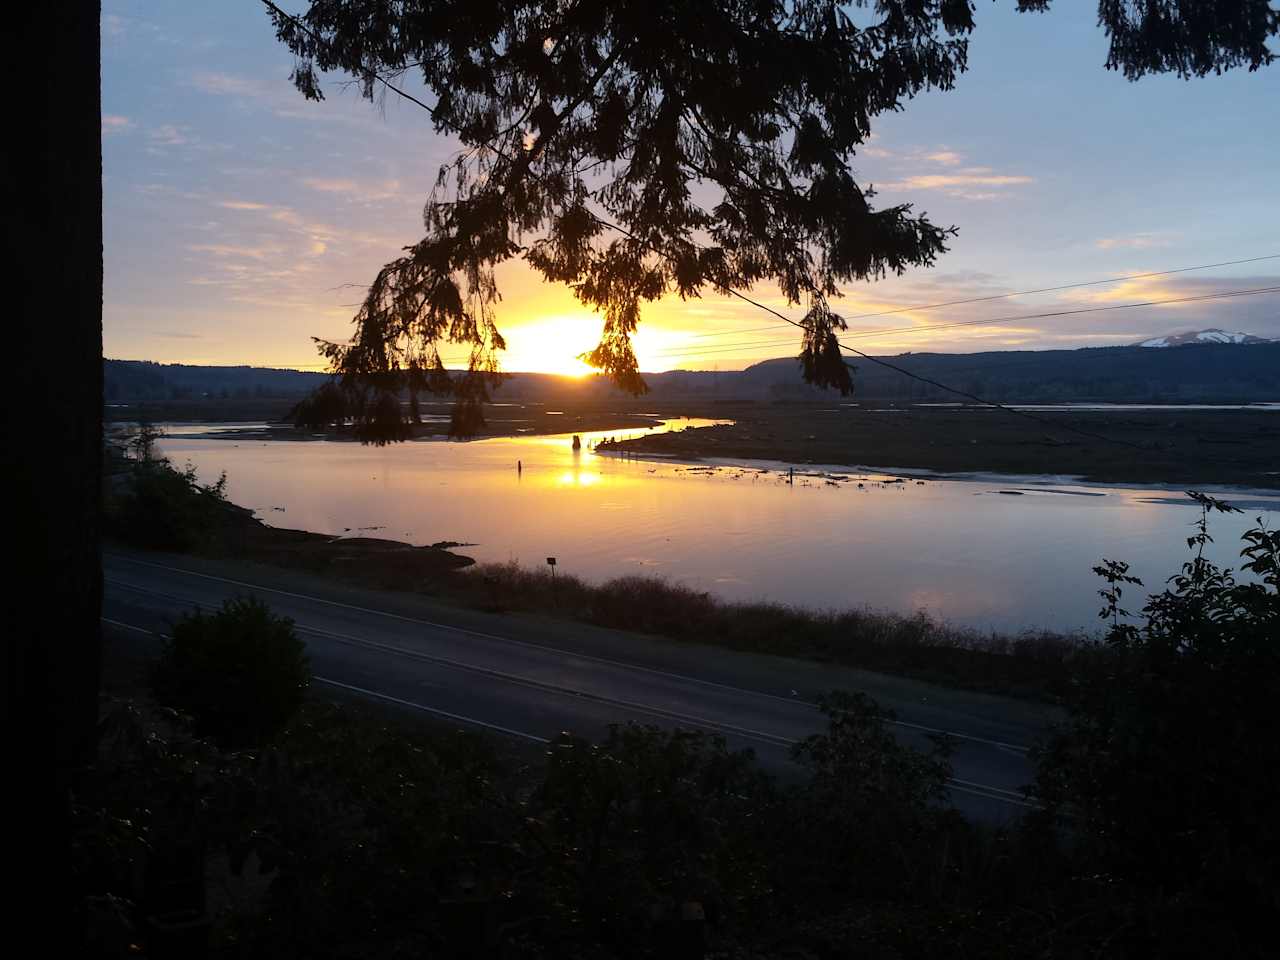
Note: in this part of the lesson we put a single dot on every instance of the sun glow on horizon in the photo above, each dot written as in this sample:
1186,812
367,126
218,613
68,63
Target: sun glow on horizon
551,344
554,344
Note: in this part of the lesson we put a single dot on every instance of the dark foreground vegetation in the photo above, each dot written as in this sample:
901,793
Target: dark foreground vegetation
336,831
154,505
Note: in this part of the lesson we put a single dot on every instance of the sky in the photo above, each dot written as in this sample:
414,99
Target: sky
242,220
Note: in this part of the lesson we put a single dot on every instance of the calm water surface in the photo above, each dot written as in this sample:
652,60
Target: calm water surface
1005,553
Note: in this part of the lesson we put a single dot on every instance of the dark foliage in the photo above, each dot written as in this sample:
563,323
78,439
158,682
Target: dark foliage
587,128
348,836
240,673
641,833
1166,770
164,508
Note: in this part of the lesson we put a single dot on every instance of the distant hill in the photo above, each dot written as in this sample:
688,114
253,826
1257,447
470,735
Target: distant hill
1203,372
140,381
1206,372
1198,337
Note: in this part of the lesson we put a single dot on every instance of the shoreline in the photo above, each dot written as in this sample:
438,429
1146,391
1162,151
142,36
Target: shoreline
1227,447
1172,448
1042,482
422,433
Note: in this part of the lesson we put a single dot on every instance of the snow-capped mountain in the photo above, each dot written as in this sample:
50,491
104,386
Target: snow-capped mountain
1212,335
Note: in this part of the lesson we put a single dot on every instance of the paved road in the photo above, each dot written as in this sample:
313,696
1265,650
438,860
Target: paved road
532,677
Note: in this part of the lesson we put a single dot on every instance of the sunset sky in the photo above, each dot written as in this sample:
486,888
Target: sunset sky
241,219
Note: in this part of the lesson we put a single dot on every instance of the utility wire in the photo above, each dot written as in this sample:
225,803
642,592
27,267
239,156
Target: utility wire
1064,286
1004,296
942,386
1024,414
861,334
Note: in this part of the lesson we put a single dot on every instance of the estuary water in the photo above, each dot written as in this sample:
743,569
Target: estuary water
1005,553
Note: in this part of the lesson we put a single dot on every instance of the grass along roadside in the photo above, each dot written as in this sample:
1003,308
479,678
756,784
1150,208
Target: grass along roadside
1034,665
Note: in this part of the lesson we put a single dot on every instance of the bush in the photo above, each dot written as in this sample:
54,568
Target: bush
165,508
239,673
1167,766
872,809
646,831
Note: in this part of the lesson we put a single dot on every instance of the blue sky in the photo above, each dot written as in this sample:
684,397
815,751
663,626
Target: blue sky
241,219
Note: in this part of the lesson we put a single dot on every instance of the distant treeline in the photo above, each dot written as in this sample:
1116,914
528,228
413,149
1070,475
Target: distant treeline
140,381
1211,373
1201,372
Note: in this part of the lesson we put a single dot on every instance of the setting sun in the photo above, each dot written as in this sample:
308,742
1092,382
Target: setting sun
554,343
551,344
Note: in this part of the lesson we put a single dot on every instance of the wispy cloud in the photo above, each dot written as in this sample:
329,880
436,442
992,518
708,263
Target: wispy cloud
1136,241
243,205
976,183
277,96
169,135
237,251
225,84
944,181
363,190
918,170
331,185
115,123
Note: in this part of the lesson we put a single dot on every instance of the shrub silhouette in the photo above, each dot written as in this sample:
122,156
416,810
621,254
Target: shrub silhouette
165,508
240,673
1167,766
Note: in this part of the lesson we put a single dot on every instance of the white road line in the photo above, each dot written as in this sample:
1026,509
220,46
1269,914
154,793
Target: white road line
394,649
541,685
432,710
1020,748
130,626
998,794
1014,794
771,738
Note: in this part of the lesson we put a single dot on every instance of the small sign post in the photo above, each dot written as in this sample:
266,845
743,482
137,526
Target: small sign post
551,562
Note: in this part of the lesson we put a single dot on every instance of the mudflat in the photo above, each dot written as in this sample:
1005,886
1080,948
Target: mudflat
1223,446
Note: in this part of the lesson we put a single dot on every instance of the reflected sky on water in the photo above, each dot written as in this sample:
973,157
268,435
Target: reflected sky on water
1005,553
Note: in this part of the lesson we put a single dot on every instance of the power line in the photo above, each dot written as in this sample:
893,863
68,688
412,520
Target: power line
942,386
1003,296
1065,286
861,334
722,348
1026,415
729,333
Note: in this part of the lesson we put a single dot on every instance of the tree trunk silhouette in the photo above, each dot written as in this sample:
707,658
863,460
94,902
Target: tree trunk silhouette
53,248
